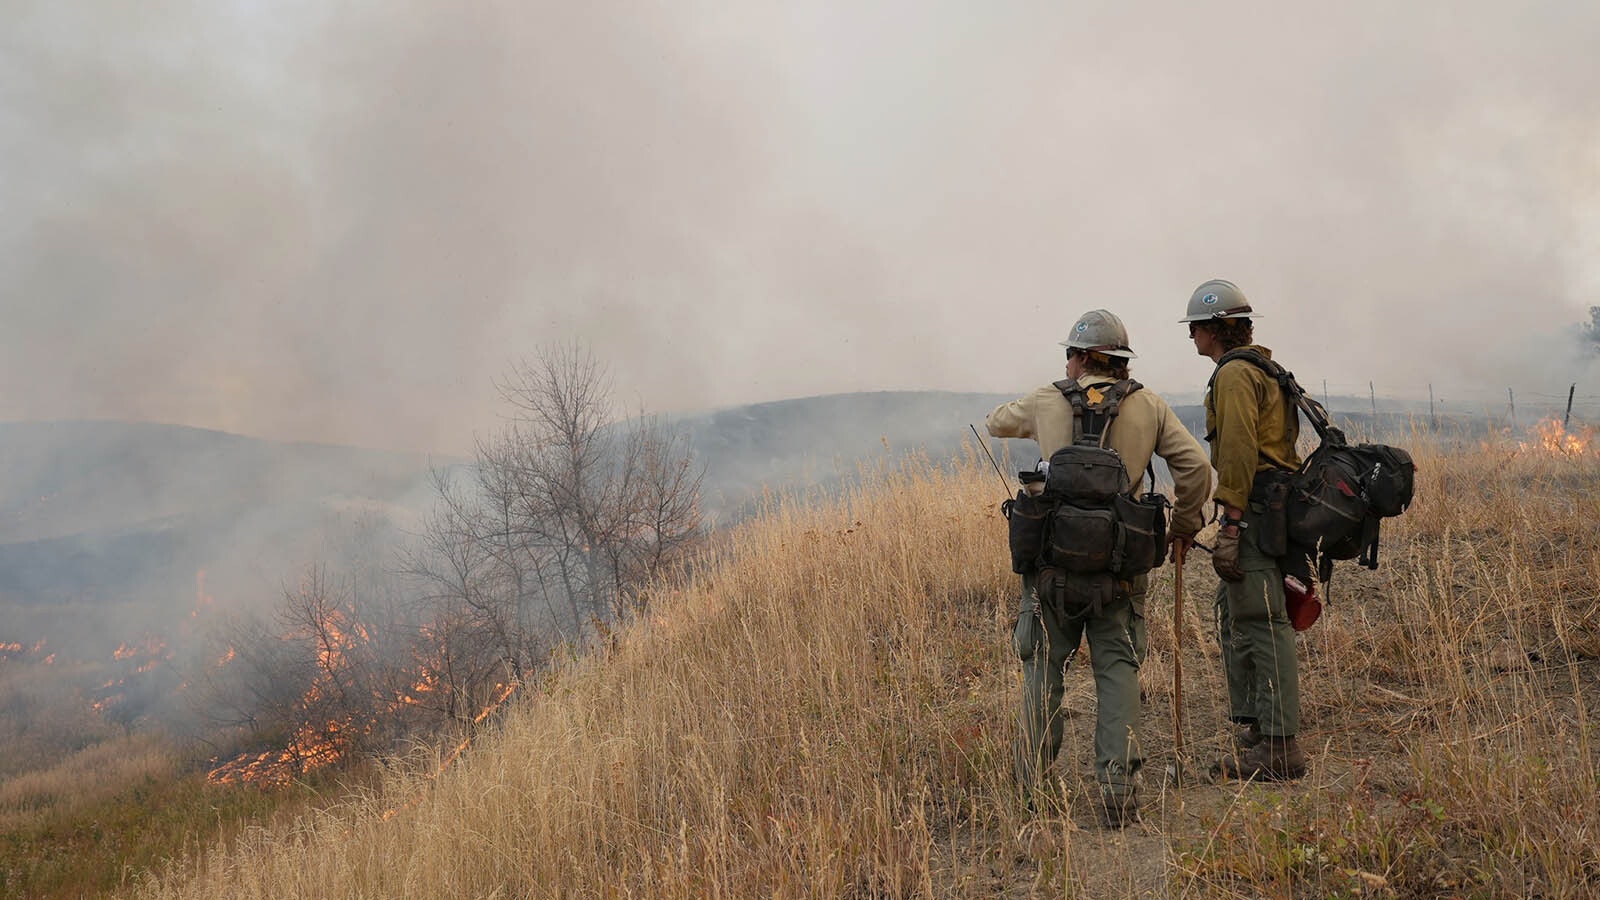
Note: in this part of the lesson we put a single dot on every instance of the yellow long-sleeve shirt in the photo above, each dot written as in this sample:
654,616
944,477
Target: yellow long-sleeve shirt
1145,424
1251,427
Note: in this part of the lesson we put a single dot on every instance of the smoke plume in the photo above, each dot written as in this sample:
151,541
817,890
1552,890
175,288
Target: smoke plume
342,225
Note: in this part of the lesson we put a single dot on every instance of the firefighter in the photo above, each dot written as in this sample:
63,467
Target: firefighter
1252,430
1047,634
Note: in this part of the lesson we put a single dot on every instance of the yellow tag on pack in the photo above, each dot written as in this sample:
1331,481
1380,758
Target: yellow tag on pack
1094,395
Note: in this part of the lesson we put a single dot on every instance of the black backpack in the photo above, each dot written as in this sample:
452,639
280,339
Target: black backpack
1086,530
1333,505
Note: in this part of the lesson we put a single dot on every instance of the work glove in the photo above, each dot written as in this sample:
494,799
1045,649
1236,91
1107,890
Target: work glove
1225,557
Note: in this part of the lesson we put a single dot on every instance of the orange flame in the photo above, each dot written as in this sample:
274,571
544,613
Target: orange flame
1554,438
312,746
1550,437
138,659
337,637
17,648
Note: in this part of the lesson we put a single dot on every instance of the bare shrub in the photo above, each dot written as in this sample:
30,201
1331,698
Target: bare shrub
562,521
339,670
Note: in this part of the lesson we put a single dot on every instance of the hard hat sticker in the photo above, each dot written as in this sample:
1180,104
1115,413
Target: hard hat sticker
1209,299
1082,327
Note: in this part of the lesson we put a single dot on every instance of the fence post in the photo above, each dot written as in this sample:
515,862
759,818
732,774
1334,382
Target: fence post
1570,391
1433,420
1372,394
1512,399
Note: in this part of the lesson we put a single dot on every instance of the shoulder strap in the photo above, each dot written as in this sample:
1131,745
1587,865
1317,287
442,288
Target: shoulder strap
1291,389
1150,473
1093,419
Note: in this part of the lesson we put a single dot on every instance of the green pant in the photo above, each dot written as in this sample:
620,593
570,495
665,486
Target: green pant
1138,586
1258,652
1046,639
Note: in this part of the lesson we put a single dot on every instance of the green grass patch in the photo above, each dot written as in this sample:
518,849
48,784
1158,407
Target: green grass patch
91,849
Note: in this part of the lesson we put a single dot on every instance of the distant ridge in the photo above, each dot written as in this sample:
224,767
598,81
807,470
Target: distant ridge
91,510
820,441
807,441
71,477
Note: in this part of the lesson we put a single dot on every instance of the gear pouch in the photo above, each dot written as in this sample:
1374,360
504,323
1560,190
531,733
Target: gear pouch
1269,501
1090,475
1025,520
1083,541
1025,639
1076,596
1144,532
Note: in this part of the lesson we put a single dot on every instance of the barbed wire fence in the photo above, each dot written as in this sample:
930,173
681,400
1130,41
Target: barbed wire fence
1514,407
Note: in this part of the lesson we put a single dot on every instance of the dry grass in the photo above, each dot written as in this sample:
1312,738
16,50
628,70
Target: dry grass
84,779
826,708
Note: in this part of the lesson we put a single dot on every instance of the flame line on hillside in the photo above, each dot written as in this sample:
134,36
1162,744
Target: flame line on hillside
459,749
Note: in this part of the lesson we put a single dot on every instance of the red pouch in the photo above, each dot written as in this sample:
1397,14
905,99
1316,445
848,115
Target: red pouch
1301,603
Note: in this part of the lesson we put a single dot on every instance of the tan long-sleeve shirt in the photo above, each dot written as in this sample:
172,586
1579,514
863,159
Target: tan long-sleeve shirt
1145,425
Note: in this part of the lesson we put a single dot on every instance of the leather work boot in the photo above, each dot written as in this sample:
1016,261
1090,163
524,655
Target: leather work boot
1117,809
1272,759
1246,737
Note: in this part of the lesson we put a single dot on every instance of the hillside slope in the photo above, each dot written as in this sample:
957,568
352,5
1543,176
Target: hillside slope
820,442
118,512
66,478
824,708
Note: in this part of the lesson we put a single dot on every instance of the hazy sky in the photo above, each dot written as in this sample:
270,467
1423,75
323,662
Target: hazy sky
281,221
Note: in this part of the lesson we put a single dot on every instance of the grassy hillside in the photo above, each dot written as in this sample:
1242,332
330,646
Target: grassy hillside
820,441
824,707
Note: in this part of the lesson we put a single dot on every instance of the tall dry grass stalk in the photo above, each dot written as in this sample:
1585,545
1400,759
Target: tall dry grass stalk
824,707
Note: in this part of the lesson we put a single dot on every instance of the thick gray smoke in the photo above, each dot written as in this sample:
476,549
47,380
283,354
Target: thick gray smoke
278,220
